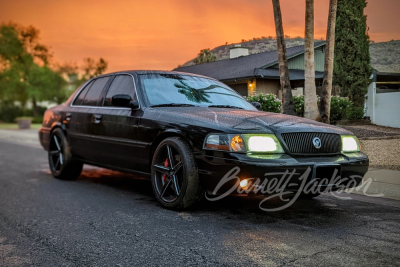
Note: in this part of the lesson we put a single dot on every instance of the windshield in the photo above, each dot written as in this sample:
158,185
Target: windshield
186,90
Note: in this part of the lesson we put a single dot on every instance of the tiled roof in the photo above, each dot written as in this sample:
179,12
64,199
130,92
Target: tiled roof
241,67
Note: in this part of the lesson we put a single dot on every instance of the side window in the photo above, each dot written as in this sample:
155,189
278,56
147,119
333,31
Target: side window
122,84
93,95
79,100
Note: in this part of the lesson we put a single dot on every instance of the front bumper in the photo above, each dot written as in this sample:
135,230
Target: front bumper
222,172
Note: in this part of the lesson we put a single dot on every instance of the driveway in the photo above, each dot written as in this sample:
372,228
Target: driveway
106,218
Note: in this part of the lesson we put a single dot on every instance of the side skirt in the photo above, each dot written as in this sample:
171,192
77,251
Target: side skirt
144,174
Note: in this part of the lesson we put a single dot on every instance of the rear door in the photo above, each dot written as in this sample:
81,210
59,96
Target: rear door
115,132
80,116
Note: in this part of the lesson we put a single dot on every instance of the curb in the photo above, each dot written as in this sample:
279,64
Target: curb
380,137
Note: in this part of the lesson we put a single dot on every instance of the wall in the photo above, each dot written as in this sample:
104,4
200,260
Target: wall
383,108
297,63
241,88
266,87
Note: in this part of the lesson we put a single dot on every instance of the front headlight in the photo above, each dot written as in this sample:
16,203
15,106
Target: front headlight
350,144
250,143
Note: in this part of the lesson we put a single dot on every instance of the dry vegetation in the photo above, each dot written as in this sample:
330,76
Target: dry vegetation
385,56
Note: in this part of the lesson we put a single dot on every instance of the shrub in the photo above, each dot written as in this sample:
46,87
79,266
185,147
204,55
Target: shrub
269,102
9,112
299,105
339,107
354,113
37,120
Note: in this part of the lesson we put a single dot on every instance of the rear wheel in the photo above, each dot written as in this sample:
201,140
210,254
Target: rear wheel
174,175
62,165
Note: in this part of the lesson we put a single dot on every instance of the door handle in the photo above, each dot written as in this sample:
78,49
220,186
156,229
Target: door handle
97,118
68,116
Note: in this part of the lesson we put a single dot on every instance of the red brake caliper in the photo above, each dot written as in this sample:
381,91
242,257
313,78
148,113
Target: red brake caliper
166,164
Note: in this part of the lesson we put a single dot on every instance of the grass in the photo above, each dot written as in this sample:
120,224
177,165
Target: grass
14,126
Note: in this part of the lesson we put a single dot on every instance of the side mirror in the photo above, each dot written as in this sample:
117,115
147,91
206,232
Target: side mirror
122,100
257,105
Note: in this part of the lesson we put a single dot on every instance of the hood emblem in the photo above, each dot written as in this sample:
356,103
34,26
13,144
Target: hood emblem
317,142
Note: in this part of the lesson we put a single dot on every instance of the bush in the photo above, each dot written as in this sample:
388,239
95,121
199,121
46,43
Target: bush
37,120
9,112
354,113
299,105
269,102
339,107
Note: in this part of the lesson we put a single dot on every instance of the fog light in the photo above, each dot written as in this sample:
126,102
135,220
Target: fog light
243,183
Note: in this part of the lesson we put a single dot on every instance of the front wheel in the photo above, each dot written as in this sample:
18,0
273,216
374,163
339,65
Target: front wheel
174,175
61,163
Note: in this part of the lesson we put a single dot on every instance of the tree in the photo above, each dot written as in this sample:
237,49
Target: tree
91,68
287,97
310,92
325,102
25,73
205,56
352,68
44,84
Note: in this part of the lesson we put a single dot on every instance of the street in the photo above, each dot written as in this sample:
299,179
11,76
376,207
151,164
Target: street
106,218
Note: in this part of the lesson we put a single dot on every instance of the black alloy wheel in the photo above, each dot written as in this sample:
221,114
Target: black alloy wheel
62,165
174,174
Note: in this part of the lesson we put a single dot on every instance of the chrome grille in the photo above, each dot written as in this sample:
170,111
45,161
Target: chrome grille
302,143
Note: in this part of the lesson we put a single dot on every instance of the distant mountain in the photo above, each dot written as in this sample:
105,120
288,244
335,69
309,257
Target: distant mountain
385,56
255,46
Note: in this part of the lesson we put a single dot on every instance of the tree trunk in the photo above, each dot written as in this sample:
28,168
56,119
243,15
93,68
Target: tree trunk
325,102
287,98
310,92
35,108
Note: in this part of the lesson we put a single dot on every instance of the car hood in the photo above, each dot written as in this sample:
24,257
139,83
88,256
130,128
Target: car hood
240,121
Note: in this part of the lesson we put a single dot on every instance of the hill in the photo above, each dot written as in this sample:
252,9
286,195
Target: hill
385,56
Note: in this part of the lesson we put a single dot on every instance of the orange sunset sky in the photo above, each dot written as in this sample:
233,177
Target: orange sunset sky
160,34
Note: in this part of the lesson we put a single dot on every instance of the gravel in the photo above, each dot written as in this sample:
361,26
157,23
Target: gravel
383,154
372,130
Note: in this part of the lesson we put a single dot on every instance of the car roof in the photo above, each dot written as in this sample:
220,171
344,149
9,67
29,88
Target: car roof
139,72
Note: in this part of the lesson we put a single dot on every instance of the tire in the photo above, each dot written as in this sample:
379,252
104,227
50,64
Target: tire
176,186
61,163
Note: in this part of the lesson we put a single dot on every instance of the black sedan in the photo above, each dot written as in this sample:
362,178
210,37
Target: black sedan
193,135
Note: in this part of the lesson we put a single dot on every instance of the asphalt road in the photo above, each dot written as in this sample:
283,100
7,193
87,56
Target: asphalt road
107,218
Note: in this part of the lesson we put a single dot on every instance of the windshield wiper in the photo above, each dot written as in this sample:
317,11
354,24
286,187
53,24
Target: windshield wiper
223,106
173,105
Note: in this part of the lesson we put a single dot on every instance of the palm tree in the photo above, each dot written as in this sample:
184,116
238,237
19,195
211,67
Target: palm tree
310,92
325,104
205,56
287,97
198,95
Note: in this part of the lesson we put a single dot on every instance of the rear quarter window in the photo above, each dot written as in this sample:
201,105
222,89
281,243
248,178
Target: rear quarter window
81,97
93,95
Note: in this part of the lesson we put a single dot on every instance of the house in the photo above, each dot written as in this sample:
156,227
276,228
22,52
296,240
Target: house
383,98
259,73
